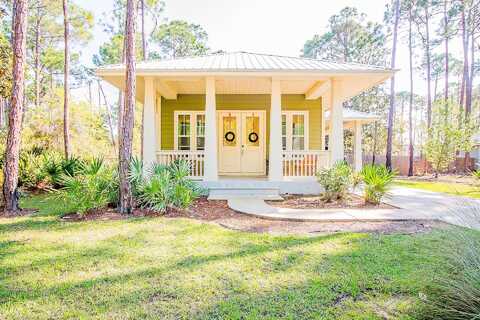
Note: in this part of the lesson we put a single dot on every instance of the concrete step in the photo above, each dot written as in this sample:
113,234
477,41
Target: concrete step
225,192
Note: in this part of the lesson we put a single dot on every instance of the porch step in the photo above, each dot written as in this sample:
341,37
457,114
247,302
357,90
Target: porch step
225,190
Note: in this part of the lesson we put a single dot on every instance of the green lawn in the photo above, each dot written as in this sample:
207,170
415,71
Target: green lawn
160,268
451,188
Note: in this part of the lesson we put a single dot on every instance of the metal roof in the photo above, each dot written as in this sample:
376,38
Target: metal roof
351,115
247,62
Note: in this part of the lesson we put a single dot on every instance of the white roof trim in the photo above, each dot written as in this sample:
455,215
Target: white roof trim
243,62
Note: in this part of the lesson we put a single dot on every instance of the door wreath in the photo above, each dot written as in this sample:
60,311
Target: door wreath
229,136
253,137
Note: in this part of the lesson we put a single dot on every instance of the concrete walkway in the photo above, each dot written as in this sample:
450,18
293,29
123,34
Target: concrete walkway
412,204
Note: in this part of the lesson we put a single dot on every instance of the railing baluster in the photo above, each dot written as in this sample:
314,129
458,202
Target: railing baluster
304,163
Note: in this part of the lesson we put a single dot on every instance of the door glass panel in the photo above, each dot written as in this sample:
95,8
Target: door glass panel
253,131
183,132
230,131
200,132
284,131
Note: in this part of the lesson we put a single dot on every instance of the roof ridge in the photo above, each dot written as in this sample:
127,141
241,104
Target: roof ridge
311,59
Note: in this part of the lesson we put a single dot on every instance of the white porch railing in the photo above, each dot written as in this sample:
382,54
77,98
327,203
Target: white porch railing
304,163
196,159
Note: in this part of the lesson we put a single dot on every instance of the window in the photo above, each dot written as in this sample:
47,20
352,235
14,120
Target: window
186,136
200,132
295,130
183,132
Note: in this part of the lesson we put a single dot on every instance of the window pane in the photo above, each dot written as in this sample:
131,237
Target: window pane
298,125
184,143
183,132
200,125
230,131
298,143
253,131
183,125
200,143
284,143
284,124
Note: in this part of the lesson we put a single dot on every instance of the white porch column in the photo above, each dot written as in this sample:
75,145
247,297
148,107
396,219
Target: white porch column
357,146
335,142
275,155
149,130
211,154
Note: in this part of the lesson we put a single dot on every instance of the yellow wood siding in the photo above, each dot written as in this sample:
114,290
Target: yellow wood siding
241,102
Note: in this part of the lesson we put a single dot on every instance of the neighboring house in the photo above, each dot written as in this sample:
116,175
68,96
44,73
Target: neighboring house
248,122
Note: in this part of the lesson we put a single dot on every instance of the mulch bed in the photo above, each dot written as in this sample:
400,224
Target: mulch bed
218,212
315,202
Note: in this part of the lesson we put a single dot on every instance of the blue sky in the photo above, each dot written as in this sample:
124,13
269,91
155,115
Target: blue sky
261,26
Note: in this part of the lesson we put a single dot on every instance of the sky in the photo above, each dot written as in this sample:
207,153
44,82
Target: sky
261,26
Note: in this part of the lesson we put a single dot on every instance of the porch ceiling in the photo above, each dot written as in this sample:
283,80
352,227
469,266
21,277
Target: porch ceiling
312,86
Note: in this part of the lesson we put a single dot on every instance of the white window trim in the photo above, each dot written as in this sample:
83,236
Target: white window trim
289,116
193,128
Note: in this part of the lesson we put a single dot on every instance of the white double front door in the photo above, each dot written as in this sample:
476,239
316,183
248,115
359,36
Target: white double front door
241,142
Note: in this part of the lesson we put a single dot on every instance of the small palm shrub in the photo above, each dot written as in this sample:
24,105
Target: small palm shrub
335,181
164,187
377,182
30,173
94,186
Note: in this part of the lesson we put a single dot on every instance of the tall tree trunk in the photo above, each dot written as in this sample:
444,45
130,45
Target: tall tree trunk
410,107
429,66
12,152
109,114
469,87
66,71
465,40
445,21
144,51
402,112
125,143
2,112
121,95
468,97
391,112
37,58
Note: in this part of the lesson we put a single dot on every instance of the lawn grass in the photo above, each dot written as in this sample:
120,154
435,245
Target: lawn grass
161,268
459,189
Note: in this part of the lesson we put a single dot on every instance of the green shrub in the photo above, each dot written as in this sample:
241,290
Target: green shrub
335,181
165,186
377,182
30,174
95,186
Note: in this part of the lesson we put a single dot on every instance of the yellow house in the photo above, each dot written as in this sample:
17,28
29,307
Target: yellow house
248,121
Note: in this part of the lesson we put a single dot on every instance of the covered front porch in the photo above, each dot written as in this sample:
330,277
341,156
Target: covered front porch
277,136
249,115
